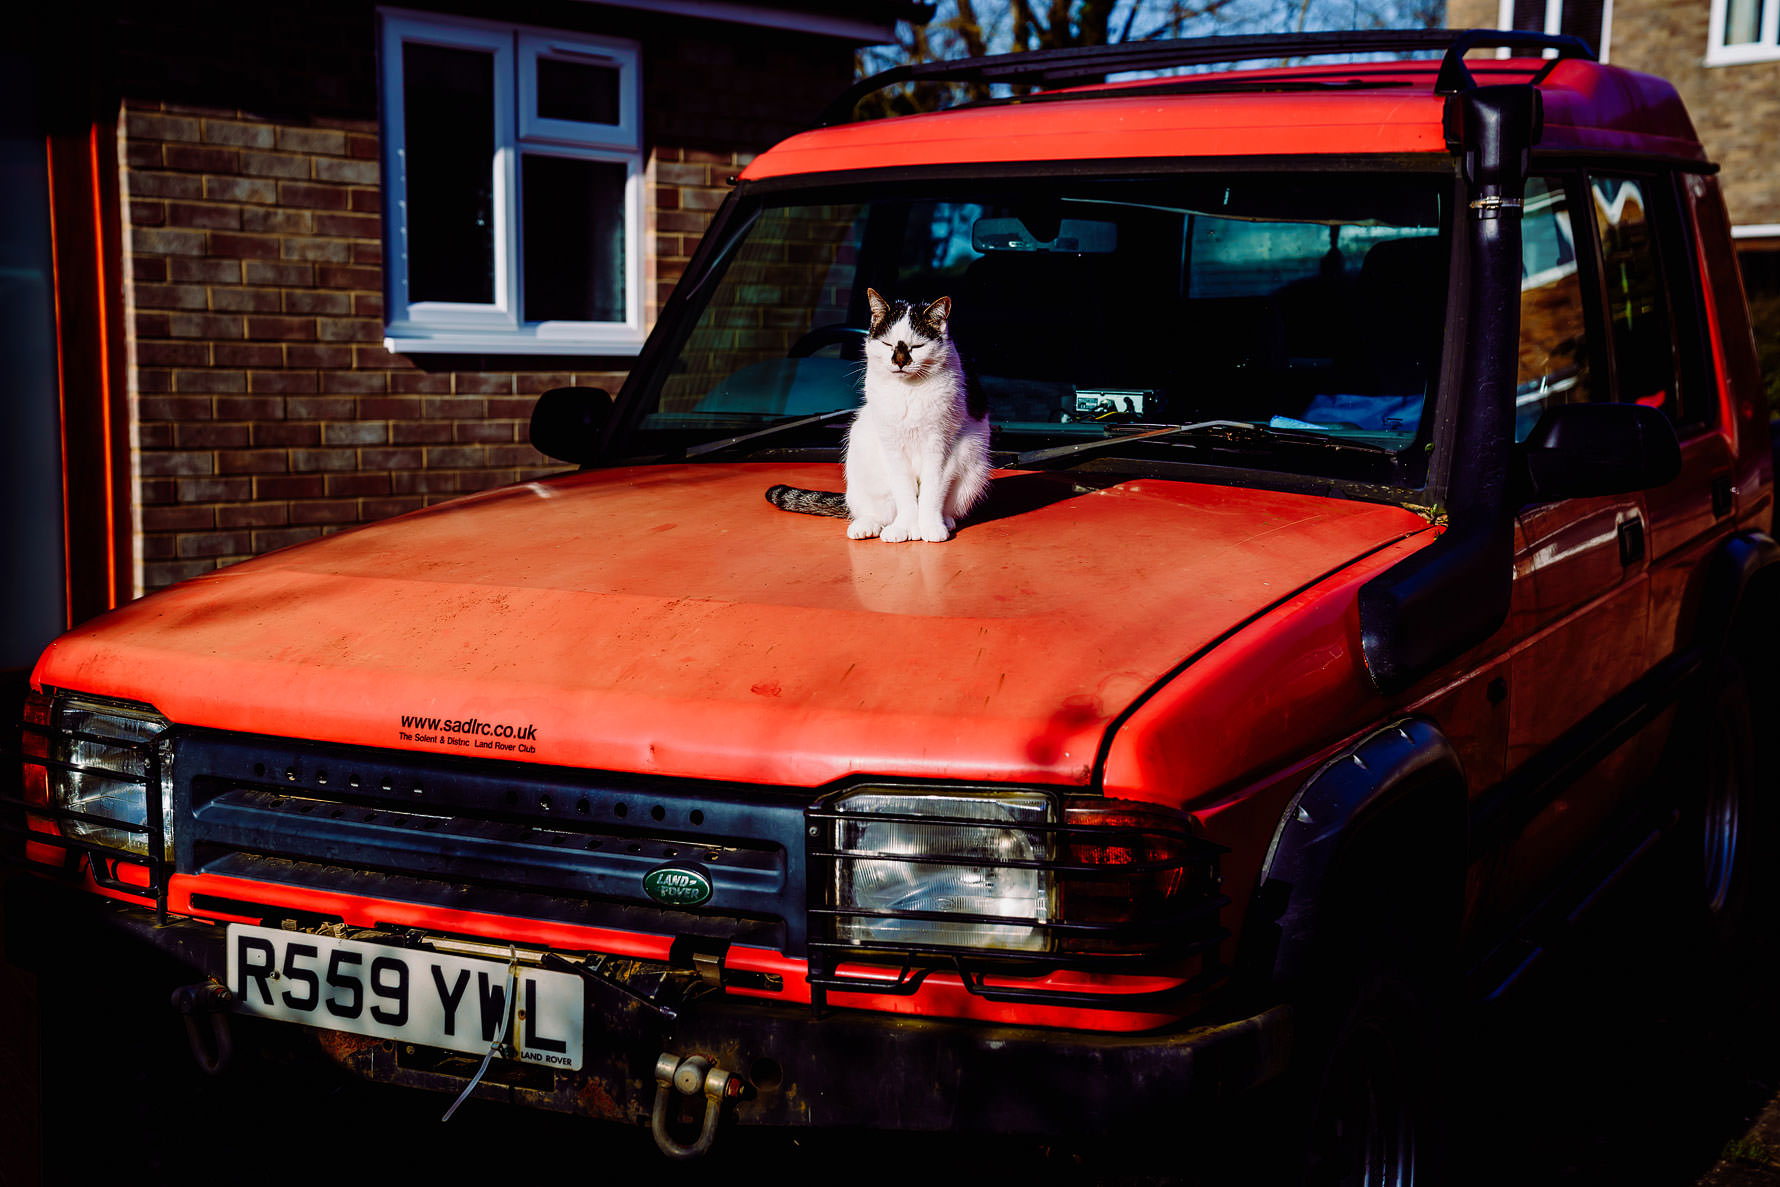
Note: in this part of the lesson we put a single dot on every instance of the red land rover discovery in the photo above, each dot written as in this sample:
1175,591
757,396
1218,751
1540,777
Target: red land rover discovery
1376,560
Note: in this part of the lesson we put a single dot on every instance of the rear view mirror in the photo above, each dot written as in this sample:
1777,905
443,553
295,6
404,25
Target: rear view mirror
566,422
1578,450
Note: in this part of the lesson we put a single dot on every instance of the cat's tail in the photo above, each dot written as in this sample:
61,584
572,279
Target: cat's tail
808,502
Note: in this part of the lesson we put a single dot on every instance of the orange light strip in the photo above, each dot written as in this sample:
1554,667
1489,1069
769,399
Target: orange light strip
55,272
105,425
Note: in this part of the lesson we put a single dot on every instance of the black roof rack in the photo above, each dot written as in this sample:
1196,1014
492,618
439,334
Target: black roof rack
1455,76
1081,64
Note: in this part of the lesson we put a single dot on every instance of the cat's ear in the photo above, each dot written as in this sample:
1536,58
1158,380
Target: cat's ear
938,312
880,308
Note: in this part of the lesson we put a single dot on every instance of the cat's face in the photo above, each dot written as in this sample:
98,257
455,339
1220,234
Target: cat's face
906,340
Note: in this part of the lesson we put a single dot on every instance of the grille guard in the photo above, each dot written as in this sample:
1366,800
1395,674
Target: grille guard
103,859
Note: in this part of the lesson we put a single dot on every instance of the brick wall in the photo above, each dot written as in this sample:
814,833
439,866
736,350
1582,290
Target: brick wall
710,103
267,410
1735,109
1471,14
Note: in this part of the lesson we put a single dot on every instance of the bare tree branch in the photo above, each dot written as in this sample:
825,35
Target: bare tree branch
1026,25
974,28
970,29
1092,22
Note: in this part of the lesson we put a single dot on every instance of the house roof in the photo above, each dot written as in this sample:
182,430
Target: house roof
1378,107
861,22
876,10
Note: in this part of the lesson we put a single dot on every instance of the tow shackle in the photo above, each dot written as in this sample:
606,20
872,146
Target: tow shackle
210,1001
692,1076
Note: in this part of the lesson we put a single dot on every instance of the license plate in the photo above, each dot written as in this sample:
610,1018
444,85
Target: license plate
455,1002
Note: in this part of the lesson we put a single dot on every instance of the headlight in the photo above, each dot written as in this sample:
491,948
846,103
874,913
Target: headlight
1017,872
103,767
943,868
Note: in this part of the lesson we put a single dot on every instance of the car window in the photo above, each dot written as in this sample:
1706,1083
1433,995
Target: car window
1553,364
1638,234
1659,355
1640,332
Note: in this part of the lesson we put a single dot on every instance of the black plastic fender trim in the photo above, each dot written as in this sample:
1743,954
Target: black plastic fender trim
1332,806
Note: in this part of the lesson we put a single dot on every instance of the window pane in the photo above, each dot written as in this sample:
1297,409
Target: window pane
578,91
448,114
574,239
1742,21
1582,18
1553,361
1643,347
1529,16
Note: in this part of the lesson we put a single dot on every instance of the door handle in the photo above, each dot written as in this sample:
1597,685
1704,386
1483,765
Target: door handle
1722,490
1631,541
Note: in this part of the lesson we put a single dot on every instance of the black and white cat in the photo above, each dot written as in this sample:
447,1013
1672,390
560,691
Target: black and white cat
917,456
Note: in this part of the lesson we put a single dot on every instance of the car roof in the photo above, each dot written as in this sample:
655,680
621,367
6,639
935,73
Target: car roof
1321,109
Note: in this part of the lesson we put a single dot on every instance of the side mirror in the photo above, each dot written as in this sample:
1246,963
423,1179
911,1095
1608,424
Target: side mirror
566,422
1578,450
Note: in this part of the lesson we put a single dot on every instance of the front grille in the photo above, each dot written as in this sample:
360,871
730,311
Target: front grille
574,847
498,837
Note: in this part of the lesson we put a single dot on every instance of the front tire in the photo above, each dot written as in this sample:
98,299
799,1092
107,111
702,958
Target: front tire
1721,879
1369,1117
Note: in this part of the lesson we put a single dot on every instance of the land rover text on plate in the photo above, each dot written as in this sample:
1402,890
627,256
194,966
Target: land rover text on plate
1377,559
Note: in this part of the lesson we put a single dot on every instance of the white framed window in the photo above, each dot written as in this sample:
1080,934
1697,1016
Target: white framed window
1591,20
1743,31
513,188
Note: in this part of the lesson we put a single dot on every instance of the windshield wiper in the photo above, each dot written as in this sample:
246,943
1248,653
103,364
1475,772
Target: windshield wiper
772,430
1240,433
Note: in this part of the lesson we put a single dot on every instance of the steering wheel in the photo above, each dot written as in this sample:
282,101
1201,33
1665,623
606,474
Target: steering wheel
822,336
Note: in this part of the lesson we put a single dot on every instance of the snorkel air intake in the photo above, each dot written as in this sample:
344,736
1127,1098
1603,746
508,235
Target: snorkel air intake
1455,593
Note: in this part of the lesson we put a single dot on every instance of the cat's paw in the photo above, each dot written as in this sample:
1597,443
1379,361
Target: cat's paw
937,533
861,529
897,532
951,524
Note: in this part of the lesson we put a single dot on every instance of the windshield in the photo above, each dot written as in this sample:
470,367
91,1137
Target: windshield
1303,306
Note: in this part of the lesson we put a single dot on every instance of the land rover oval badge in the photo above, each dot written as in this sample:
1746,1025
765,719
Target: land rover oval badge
677,886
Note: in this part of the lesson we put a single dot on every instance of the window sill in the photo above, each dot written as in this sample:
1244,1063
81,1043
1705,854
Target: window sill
1741,55
1758,232
617,342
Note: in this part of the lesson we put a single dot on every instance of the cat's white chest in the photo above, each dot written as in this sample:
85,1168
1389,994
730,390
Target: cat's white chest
913,417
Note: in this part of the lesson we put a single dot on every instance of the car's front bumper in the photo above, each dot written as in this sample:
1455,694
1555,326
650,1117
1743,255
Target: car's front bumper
842,1068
